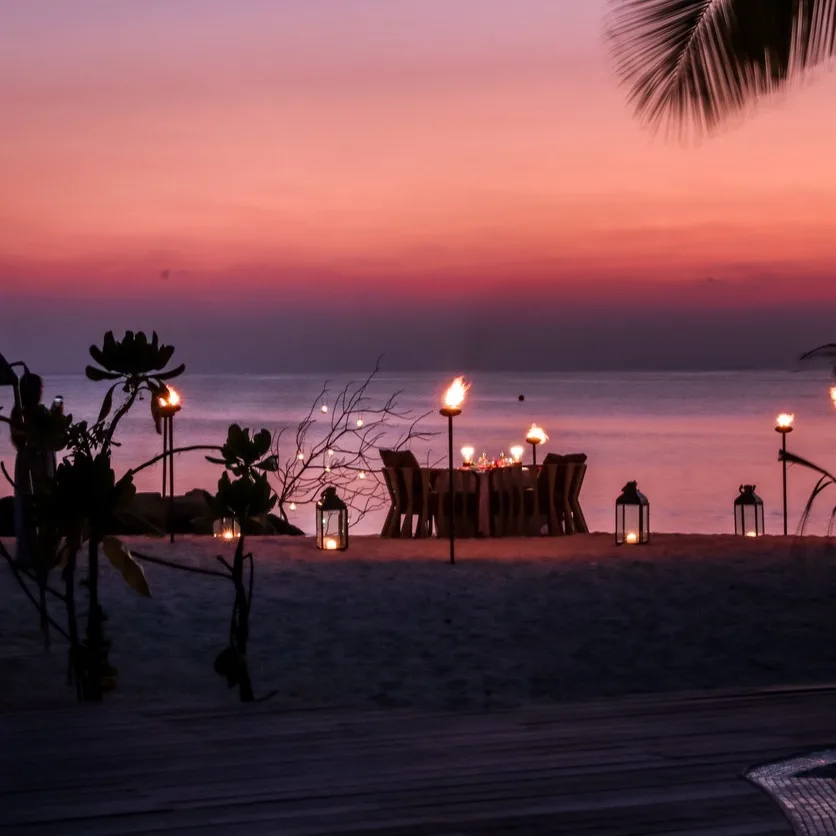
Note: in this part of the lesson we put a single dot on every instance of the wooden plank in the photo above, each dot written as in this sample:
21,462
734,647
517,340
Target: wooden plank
660,765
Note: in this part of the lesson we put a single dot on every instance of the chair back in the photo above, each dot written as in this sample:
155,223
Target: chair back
407,472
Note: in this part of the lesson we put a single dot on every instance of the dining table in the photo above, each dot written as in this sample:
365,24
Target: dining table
484,493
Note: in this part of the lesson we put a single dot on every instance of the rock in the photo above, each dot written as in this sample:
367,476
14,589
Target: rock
282,527
147,513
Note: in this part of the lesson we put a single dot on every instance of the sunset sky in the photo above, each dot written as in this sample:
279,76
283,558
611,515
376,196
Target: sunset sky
442,181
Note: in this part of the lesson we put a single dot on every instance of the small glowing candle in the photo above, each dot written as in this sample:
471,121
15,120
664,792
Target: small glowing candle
751,534
330,544
361,474
833,394
359,422
225,529
467,455
631,537
301,456
323,408
517,453
292,506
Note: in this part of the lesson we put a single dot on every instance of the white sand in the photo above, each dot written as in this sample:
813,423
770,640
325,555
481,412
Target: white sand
515,621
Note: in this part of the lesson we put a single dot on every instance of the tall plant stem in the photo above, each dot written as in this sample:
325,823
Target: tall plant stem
74,672
241,621
160,456
93,684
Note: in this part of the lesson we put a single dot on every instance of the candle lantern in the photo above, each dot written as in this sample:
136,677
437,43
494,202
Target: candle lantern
632,516
331,522
748,513
467,456
226,528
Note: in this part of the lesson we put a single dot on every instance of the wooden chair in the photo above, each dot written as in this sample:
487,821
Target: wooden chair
409,495
511,502
466,486
391,525
578,519
565,514
538,501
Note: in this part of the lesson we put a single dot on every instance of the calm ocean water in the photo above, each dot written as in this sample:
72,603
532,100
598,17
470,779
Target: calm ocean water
688,438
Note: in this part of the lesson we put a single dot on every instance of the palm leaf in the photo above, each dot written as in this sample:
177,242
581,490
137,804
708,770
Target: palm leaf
690,64
827,352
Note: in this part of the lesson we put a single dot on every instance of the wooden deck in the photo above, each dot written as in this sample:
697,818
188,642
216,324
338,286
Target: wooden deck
640,766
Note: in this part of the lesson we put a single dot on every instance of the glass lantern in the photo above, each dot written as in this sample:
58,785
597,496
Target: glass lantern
632,516
331,522
748,513
226,528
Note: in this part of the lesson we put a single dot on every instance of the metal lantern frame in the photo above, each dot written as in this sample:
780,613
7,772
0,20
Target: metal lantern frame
748,513
330,507
226,528
632,498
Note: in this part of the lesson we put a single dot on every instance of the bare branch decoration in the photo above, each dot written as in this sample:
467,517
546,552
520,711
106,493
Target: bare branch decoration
345,453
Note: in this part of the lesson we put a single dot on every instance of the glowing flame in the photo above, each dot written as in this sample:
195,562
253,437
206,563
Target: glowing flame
292,506
785,420
751,534
536,435
517,453
301,456
323,408
330,452
833,394
454,396
467,454
631,537
172,398
225,530
361,474
331,544
359,422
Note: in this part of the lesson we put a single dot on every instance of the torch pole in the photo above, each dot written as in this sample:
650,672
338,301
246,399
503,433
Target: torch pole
534,456
170,478
784,463
165,453
452,505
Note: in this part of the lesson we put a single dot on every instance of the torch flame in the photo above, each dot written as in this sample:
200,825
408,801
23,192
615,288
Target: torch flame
171,398
833,394
454,396
785,419
536,435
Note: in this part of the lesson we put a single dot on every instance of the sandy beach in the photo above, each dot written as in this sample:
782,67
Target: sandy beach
390,623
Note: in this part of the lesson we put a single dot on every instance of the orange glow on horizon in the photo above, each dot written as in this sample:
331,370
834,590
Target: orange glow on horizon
212,159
